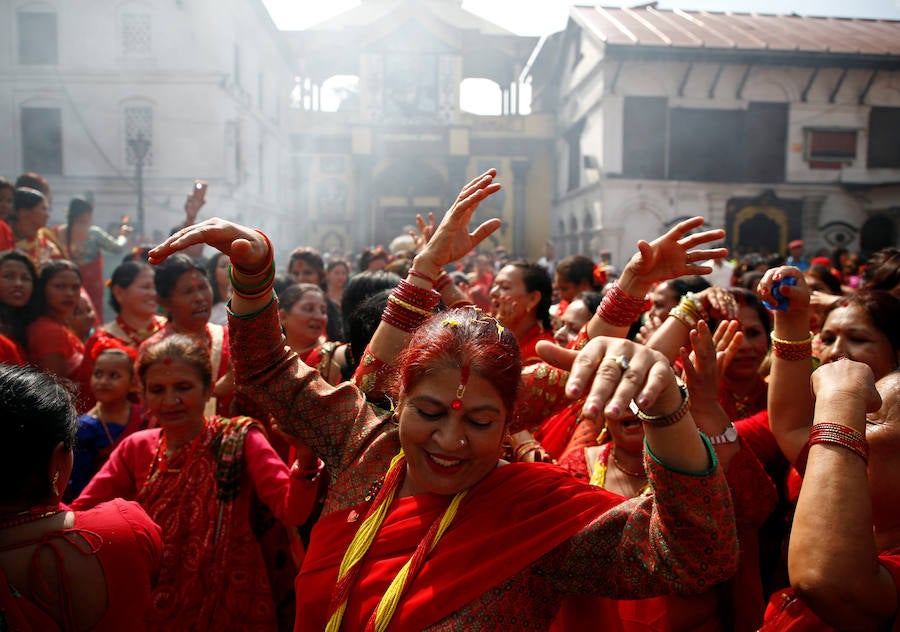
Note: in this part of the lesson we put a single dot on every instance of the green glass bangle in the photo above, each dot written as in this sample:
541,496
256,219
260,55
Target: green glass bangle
250,288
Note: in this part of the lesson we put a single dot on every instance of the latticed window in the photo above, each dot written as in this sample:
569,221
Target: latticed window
136,34
138,124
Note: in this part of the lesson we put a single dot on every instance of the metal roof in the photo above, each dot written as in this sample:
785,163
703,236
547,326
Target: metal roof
649,26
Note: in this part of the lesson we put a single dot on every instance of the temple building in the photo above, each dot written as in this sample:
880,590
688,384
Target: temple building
774,127
396,142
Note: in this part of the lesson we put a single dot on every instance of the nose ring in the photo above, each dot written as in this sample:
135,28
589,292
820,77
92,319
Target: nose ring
462,443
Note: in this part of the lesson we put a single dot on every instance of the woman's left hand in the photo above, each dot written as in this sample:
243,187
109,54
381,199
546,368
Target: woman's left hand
673,254
611,373
451,239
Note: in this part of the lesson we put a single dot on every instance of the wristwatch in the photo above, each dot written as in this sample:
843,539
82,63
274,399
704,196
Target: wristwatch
729,436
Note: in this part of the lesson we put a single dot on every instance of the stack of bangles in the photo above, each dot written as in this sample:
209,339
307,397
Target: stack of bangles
792,349
840,435
265,277
688,311
619,308
409,306
524,448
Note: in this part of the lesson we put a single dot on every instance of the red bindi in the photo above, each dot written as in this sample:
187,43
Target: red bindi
456,404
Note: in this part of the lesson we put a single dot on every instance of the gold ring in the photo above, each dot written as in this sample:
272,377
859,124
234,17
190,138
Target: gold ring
621,362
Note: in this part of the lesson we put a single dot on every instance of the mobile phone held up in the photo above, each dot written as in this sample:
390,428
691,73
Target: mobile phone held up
198,193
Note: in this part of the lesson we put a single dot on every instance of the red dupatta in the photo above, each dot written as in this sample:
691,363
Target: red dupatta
514,516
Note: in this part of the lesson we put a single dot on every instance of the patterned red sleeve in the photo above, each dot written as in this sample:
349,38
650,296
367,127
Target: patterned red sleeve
371,375
681,539
542,394
334,421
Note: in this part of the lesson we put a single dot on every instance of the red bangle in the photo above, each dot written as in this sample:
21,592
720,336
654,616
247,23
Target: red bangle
620,309
840,435
270,260
443,281
420,275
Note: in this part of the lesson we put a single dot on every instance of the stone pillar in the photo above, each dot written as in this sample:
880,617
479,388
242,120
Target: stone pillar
362,202
456,178
520,180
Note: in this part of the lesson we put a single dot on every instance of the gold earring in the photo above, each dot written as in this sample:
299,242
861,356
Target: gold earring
53,481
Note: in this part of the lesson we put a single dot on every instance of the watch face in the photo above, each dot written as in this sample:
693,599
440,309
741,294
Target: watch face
729,436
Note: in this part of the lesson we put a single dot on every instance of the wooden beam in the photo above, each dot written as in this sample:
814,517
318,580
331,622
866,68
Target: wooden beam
715,81
865,92
743,82
838,85
684,79
812,78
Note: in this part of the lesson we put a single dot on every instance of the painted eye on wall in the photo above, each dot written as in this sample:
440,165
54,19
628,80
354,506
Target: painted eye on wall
838,233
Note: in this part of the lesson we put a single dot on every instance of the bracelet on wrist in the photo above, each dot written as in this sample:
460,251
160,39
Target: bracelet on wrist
270,260
840,435
421,275
792,349
619,308
661,421
443,281
686,319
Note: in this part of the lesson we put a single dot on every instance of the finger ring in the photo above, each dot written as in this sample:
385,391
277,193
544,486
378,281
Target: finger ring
621,362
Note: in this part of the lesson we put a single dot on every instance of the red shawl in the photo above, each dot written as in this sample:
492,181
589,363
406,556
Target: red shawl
514,516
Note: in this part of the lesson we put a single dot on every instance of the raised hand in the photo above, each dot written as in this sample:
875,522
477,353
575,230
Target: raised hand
798,295
452,239
424,231
673,254
727,339
246,247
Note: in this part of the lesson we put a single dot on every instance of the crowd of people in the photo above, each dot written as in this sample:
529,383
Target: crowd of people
436,436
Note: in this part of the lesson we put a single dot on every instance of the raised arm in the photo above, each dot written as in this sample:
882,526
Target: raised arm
667,257
790,402
833,559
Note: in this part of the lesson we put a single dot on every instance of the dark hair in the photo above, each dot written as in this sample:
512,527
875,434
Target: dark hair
25,199
361,286
463,337
576,269
591,300
176,347
78,206
309,256
746,298
881,306
37,416
169,271
14,320
5,184
337,262
536,279
33,180
123,276
282,282
836,253
685,284
363,321
295,293
823,274
369,255
211,264
48,271
750,279
882,270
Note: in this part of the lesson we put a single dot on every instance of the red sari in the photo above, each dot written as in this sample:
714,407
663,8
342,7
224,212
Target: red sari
213,575
528,343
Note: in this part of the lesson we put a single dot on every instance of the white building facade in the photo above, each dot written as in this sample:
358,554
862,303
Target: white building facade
207,82
772,127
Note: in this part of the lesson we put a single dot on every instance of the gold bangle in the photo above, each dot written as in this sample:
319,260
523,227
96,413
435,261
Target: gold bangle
792,343
680,316
418,310
661,421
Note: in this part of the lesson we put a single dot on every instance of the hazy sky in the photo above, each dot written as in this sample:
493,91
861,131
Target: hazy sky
540,17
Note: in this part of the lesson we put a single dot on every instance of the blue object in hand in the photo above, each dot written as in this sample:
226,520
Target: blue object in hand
782,304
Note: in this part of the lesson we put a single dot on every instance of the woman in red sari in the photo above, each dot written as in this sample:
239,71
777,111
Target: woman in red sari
424,526
304,318
520,300
196,477
62,569
52,346
18,278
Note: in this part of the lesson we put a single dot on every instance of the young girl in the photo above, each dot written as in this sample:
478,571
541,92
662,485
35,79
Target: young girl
112,418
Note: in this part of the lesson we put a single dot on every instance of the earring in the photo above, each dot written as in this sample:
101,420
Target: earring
53,482
395,418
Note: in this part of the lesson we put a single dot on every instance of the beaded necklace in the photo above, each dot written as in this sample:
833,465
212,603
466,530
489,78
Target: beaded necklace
137,336
598,477
30,515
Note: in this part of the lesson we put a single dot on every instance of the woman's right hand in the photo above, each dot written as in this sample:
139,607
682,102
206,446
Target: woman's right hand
246,247
797,295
